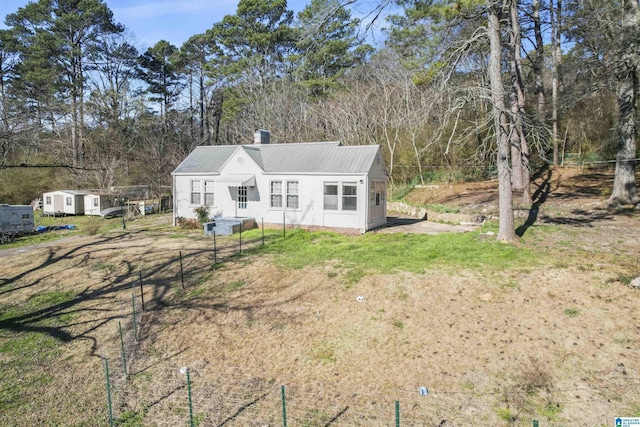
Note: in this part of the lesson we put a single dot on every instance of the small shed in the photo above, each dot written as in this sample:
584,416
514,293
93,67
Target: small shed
16,218
94,203
63,202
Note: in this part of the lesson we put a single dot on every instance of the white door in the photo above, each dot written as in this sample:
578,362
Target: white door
241,201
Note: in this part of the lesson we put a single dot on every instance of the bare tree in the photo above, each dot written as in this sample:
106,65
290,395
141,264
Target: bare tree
626,71
519,147
506,224
538,61
556,52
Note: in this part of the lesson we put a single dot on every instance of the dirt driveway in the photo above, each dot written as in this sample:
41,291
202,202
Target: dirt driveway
405,224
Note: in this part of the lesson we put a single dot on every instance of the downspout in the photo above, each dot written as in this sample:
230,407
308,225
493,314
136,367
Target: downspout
175,203
367,206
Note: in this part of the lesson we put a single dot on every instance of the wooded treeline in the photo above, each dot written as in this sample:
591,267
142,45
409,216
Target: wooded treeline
459,89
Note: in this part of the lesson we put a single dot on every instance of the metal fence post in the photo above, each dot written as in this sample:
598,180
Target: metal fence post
141,291
190,402
284,407
181,272
535,423
124,357
262,220
106,373
215,250
397,413
240,236
135,324
284,225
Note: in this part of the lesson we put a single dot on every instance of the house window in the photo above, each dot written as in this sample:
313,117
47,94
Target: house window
330,197
276,194
195,192
48,200
208,193
242,197
95,201
68,201
292,194
375,193
349,197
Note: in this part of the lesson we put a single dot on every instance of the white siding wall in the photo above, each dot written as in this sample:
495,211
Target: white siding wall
310,210
377,215
72,204
89,208
310,197
311,202
103,202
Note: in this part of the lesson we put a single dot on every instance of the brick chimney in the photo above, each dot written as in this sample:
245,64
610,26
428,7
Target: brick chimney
261,136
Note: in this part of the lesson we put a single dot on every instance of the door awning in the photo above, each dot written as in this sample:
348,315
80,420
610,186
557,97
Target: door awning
238,180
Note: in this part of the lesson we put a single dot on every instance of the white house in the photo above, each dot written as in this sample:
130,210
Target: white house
321,184
63,202
94,203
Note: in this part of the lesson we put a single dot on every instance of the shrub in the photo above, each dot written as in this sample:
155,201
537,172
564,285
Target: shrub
202,213
187,223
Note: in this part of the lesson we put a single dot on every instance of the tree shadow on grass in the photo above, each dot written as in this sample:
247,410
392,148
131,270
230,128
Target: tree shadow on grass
538,197
109,300
243,408
337,416
43,317
588,184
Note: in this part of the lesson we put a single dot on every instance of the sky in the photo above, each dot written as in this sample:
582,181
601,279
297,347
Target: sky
150,21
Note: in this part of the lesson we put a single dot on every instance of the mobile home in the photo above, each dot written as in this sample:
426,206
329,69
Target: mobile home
94,203
63,202
16,219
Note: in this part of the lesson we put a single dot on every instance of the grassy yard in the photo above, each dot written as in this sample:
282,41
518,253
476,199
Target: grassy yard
503,334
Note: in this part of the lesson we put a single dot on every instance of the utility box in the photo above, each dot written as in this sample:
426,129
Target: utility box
15,219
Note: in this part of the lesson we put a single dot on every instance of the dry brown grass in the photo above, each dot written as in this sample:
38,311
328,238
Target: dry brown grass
557,343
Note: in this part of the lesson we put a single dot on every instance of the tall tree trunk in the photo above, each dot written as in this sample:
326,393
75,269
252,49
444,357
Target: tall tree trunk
80,83
538,62
519,148
74,127
515,133
73,92
556,51
191,109
506,224
624,183
219,112
201,99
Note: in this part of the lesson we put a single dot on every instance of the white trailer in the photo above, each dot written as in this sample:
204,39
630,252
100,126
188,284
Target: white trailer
63,202
16,219
94,203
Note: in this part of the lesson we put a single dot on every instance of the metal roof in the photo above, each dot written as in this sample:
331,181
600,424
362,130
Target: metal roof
72,192
238,180
206,158
255,153
306,157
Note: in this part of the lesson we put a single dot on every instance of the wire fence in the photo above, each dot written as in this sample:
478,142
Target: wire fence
119,353
181,397
140,393
141,390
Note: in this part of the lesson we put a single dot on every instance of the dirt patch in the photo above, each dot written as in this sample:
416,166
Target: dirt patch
554,341
406,224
